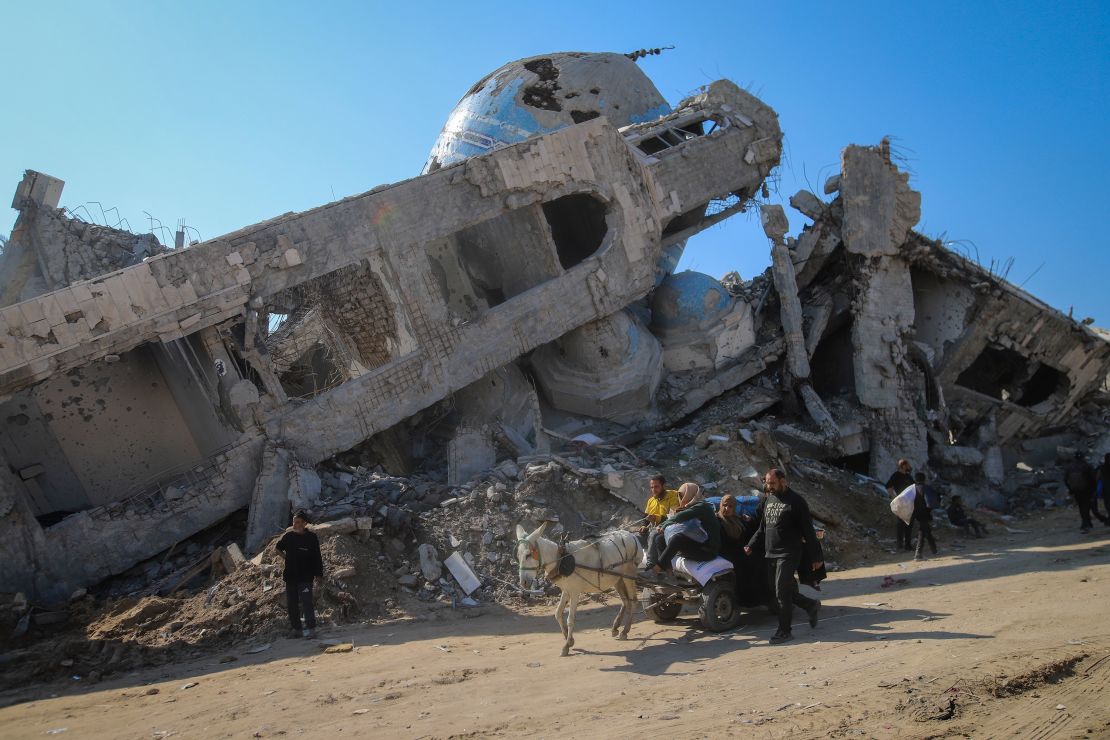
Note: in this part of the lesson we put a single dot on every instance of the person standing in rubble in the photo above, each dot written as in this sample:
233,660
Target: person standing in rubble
785,535
303,563
1102,490
1080,479
898,482
924,501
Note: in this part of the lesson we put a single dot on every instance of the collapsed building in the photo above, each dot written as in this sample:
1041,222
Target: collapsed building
520,292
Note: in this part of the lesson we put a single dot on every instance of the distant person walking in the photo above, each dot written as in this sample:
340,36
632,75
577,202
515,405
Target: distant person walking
924,501
1079,477
303,563
785,534
898,482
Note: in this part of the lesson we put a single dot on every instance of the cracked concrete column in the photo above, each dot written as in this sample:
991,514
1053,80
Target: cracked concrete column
879,211
775,225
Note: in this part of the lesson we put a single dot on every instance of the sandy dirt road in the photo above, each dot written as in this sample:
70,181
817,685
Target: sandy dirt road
928,658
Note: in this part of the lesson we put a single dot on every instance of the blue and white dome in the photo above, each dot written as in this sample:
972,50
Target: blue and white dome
688,300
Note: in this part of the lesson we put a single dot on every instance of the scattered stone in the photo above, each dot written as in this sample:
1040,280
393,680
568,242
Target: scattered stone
429,562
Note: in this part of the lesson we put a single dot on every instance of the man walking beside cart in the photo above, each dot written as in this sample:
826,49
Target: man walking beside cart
787,537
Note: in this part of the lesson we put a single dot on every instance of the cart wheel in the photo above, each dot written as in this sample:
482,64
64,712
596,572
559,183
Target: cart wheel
718,610
658,609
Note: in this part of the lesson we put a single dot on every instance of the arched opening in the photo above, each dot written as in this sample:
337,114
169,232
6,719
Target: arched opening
578,226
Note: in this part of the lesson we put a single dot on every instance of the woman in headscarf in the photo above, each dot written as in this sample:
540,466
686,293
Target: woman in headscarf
736,531
697,536
732,530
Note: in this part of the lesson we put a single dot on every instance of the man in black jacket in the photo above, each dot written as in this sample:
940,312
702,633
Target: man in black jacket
786,533
899,481
301,550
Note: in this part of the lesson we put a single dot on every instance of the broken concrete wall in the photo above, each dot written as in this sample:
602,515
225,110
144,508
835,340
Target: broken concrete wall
116,425
1019,361
50,249
943,309
50,563
71,251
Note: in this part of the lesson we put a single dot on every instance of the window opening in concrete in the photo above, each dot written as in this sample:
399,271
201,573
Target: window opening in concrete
1007,375
831,367
275,321
721,249
932,388
675,134
578,226
859,463
314,373
354,300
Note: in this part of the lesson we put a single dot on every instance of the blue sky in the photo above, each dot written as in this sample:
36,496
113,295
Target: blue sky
228,113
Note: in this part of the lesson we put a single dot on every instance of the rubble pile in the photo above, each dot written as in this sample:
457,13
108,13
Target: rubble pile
384,539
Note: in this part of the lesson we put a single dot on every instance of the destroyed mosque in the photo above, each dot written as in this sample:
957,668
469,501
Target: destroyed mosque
520,292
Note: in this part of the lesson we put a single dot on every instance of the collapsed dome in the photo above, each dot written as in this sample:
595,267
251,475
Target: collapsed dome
688,300
538,95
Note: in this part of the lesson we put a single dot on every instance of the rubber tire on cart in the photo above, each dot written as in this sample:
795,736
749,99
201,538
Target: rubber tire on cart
659,612
719,610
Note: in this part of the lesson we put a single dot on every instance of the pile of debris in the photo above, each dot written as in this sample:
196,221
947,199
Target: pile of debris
392,545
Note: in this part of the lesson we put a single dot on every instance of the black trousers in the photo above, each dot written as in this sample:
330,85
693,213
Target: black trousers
298,598
904,534
1105,504
780,577
660,553
1083,501
972,526
925,532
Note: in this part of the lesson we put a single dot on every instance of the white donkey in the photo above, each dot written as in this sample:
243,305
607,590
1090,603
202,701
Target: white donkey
608,563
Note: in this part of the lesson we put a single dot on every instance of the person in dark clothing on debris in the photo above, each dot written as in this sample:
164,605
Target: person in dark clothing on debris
1102,490
923,504
303,563
785,535
898,482
958,516
1080,479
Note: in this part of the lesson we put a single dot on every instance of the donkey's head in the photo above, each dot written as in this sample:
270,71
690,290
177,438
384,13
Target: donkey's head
529,561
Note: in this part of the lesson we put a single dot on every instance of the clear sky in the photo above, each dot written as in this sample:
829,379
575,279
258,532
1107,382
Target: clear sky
227,113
